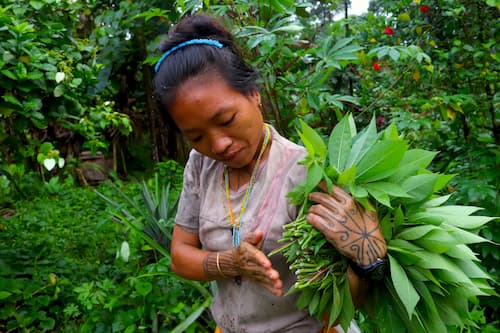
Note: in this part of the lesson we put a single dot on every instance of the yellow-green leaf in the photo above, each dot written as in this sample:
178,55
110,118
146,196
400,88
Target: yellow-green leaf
314,141
347,176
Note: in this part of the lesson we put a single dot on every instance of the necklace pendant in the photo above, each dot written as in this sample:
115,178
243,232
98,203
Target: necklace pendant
235,232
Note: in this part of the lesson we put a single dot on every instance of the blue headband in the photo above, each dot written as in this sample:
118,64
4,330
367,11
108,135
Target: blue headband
187,43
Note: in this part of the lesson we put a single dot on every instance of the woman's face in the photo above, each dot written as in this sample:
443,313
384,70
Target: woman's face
219,122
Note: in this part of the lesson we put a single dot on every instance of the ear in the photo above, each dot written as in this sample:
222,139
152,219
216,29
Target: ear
255,96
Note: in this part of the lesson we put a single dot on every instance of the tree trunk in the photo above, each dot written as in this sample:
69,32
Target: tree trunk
148,87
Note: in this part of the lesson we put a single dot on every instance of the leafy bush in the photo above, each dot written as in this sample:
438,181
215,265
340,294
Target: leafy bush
48,74
61,268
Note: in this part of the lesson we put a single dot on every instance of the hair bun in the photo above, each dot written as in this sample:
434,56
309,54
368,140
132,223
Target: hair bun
199,27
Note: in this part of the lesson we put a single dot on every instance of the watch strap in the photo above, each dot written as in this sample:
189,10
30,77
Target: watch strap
374,271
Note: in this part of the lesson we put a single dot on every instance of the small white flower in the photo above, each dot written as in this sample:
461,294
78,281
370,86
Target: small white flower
49,163
60,162
60,76
125,251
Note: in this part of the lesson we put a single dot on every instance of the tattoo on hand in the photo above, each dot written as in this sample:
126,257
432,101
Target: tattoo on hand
361,234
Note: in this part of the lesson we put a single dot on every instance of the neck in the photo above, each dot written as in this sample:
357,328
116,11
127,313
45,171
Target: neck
250,166
240,176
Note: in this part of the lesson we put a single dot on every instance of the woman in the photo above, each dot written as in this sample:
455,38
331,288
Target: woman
233,204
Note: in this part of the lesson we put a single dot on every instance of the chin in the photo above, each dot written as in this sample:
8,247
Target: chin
234,165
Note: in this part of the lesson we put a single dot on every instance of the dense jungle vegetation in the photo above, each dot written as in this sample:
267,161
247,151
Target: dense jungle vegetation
89,175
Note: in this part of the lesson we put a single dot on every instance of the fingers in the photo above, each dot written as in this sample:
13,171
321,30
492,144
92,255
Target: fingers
255,265
271,282
318,217
338,196
315,217
275,289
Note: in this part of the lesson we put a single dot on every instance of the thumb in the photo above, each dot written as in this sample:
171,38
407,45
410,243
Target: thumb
254,238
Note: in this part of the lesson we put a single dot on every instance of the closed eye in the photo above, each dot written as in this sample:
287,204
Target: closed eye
228,122
196,139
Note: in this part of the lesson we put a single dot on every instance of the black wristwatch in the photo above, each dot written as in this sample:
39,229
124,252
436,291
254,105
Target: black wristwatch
374,271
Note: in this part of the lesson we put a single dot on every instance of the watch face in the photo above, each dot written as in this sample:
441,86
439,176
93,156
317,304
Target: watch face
379,269
375,271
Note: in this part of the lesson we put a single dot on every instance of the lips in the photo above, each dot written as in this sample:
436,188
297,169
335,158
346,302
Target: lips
231,156
234,157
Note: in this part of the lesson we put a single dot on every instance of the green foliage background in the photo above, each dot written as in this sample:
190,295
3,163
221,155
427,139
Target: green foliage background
77,75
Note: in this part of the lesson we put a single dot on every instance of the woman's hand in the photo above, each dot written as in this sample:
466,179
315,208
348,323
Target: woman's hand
252,263
354,231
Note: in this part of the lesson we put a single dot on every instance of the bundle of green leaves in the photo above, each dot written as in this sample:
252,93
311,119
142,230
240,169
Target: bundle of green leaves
434,276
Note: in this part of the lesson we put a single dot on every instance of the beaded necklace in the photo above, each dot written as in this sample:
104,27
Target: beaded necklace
236,225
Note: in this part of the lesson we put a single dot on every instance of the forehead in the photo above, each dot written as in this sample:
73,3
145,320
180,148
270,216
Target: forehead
206,90
201,98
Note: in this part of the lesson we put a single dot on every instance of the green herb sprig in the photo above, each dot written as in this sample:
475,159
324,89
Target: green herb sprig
434,275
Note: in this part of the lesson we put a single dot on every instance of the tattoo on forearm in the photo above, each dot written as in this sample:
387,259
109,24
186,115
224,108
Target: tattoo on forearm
208,265
224,268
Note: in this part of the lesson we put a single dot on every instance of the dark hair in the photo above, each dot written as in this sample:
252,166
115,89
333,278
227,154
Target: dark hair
193,60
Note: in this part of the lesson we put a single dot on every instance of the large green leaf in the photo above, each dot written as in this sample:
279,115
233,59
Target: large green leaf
425,218
347,176
313,142
339,144
404,288
432,322
419,187
413,161
441,182
404,257
462,251
347,307
362,143
472,269
437,241
387,310
457,216
412,233
381,160
437,201
403,244
451,309
454,210
314,303
444,268
337,300
314,176
379,196
305,298
392,189
464,236
391,132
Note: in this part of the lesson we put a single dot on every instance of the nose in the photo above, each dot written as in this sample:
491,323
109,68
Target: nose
219,143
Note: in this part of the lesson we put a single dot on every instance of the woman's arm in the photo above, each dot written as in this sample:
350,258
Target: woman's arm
187,255
359,288
354,231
